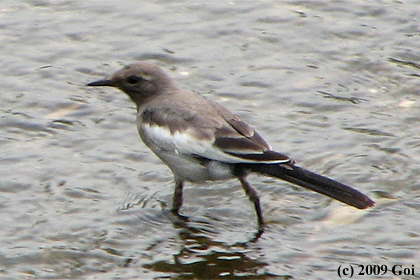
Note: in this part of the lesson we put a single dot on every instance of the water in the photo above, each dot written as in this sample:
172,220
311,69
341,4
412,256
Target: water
334,84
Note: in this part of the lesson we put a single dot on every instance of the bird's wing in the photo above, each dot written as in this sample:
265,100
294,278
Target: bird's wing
240,140
218,135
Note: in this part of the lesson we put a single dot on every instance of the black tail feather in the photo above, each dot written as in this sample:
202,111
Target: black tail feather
307,179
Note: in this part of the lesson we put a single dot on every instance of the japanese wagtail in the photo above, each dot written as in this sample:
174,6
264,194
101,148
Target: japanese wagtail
200,140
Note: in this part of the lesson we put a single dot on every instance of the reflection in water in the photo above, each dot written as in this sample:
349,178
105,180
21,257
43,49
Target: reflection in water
200,257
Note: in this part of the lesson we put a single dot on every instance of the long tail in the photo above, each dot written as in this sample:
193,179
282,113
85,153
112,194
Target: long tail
307,179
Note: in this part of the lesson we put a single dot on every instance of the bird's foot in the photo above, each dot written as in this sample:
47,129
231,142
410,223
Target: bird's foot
258,234
175,212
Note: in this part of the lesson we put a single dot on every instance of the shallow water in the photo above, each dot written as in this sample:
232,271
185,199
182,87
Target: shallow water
334,85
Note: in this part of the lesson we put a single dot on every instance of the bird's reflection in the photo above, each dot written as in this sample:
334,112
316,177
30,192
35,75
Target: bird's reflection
201,257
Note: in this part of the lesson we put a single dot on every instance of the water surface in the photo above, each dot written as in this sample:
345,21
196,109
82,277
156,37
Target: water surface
335,85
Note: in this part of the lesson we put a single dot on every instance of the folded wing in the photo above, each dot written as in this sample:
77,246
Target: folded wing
220,136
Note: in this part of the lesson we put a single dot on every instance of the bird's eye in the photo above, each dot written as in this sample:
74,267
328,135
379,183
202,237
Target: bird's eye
133,79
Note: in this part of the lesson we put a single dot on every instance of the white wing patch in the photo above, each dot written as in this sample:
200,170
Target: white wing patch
185,143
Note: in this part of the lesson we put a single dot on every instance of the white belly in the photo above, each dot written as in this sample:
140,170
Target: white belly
190,168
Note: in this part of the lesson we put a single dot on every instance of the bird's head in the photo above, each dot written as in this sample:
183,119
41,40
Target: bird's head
140,80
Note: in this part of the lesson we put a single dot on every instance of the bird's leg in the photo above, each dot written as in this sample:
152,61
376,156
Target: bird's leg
177,199
253,196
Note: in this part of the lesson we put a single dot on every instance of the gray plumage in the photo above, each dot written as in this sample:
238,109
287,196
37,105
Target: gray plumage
201,140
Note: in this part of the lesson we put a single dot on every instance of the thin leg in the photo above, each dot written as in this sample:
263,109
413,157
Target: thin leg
253,196
177,199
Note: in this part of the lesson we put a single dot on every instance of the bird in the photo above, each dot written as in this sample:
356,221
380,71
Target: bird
200,140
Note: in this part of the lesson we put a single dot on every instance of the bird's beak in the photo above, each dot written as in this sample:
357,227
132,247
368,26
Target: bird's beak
101,83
